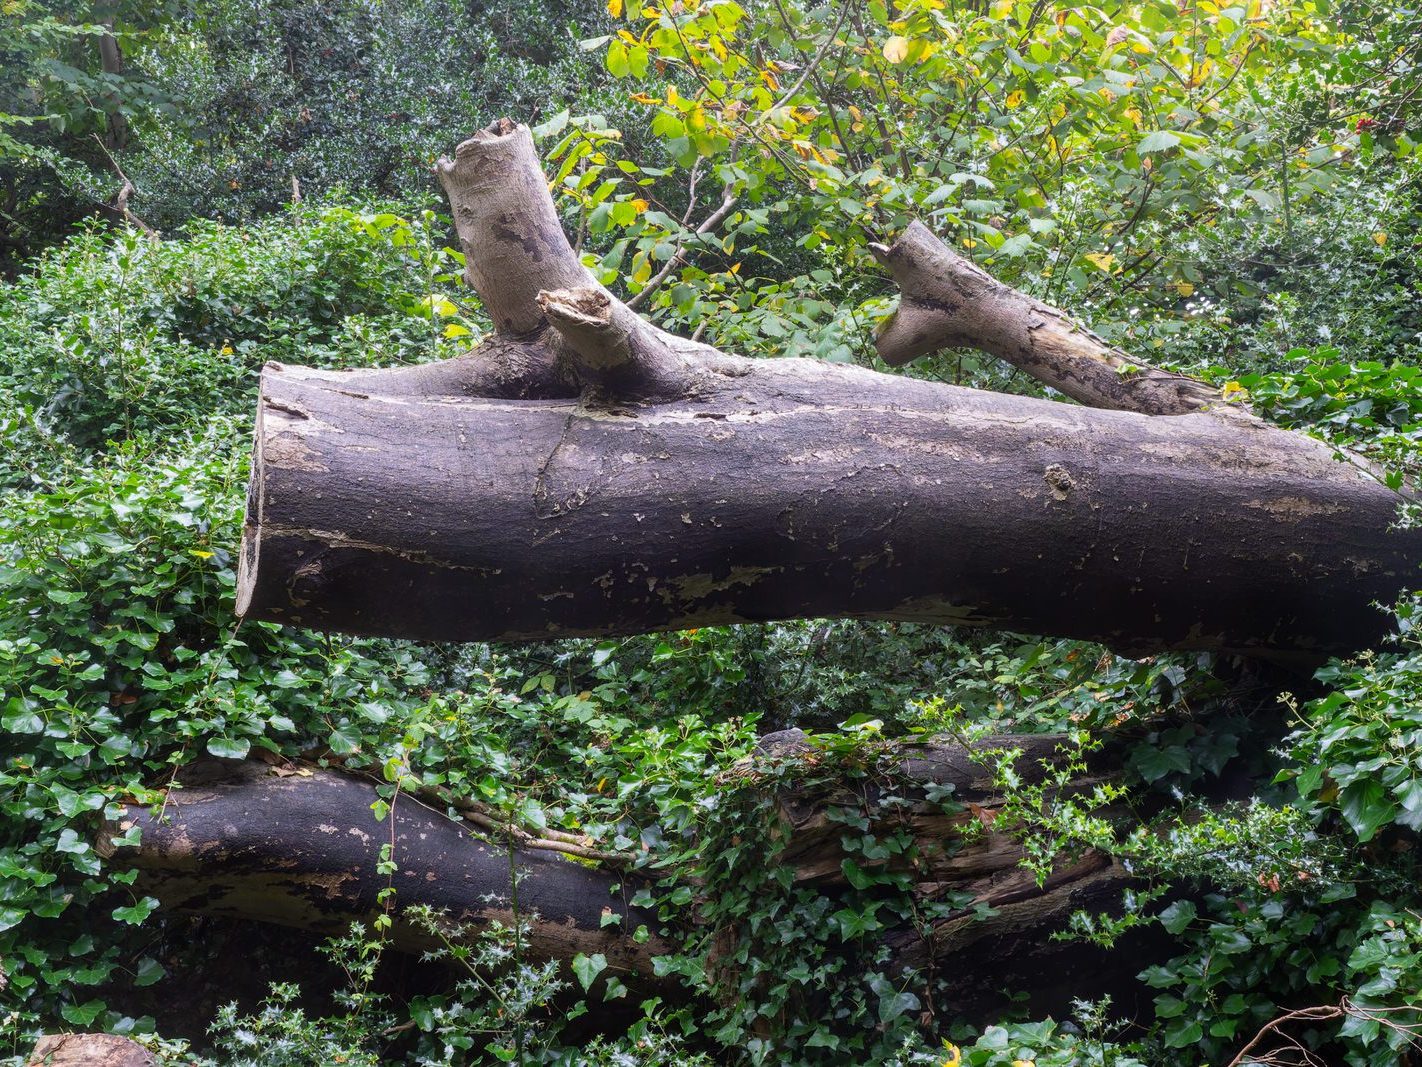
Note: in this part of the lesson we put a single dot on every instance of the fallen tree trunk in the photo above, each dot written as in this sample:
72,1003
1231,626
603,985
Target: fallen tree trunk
301,849
584,473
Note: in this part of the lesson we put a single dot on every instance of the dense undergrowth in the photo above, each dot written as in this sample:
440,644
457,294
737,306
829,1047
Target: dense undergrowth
127,376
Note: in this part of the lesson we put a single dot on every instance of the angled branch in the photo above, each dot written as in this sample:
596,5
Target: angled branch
949,302
728,204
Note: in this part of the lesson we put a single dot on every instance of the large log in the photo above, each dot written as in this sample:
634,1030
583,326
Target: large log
584,473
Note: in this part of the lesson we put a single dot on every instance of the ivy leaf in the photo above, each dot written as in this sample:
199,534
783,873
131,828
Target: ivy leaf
229,747
1410,797
892,1005
136,913
587,968
856,875
69,841
1178,916
344,740
83,1015
1155,763
1367,807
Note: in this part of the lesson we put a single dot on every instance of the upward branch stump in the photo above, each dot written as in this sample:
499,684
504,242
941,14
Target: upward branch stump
585,473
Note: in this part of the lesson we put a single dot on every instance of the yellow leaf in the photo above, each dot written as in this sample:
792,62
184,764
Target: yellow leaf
1106,94
614,8
968,242
1103,261
456,330
640,205
1232,390
1015,98
1134,114
1380,238
1184,288
200,554
896,49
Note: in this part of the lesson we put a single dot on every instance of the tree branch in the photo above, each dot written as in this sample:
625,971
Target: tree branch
949,302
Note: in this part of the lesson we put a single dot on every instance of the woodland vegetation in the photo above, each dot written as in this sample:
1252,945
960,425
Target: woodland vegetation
1117,837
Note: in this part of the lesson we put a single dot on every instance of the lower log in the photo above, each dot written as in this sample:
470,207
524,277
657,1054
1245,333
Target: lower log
963,849
790,488
302,850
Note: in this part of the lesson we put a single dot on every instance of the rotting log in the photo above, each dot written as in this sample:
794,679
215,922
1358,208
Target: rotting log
585,473
962,850
299,847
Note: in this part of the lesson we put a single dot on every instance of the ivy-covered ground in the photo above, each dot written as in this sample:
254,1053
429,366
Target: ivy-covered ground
1232,191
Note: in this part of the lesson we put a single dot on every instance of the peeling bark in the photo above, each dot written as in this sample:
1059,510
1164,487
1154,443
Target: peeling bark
585,473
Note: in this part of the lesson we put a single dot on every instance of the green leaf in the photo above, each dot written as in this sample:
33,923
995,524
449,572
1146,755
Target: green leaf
1157,141
1178,916
344,740
1154,763
83,1015
69,841
229,747
136,913
1367,807
587,968
148,971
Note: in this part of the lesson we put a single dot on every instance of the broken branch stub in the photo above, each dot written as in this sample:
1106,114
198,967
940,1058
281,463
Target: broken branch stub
585,473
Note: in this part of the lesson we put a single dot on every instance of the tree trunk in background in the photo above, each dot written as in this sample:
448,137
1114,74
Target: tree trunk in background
584,473
111,60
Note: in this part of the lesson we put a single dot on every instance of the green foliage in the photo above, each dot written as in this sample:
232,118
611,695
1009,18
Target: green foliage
113,336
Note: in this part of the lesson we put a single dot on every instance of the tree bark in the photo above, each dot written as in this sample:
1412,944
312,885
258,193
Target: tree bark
584,473
89,1050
